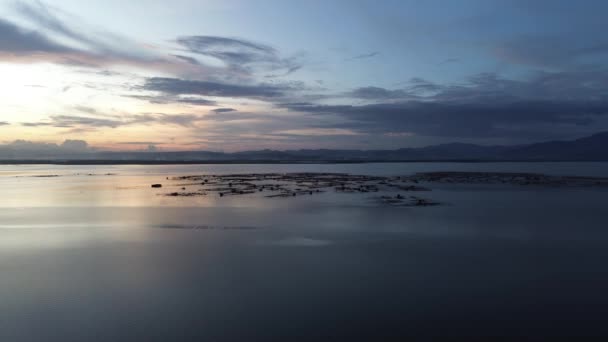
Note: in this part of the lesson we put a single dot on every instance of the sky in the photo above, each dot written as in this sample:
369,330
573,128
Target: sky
234,75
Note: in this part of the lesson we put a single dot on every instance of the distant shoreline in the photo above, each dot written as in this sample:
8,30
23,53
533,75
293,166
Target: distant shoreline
588,149
277,162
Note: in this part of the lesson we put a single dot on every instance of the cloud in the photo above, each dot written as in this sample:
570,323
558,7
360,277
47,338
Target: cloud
449,61
73,121
247,117
487,106
139,143
166,99
4,123
75,145
363,56
27,46
86,109
174,86
416,88
262,129
318,132
190,60
473,120
289,71
577,85
230,50
56,41
184,120
42,15
36,124
421,86
18,41
24,149
56,22
223,110
377,93
60,38
238,54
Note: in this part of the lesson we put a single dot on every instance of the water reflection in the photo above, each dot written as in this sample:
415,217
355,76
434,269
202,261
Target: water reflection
102,258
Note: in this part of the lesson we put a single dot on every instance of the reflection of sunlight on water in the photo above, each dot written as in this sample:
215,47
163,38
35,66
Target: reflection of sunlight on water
104,191
126,203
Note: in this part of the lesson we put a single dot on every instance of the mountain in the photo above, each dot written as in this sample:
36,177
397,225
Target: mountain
592,148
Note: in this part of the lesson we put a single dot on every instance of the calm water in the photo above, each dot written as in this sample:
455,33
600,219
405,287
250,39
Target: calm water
95,254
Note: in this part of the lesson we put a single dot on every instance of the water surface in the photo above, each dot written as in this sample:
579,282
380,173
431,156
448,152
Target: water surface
96,254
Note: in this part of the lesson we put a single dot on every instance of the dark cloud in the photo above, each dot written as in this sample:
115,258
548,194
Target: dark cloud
173,86
578,85
188,59
377,93
223,110
292,69
415,89
461,120
196,101
487,106
548,86
4,123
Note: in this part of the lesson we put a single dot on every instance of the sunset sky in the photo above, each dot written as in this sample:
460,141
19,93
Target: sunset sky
230,75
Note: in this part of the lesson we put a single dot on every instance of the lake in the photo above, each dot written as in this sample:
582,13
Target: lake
93,253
